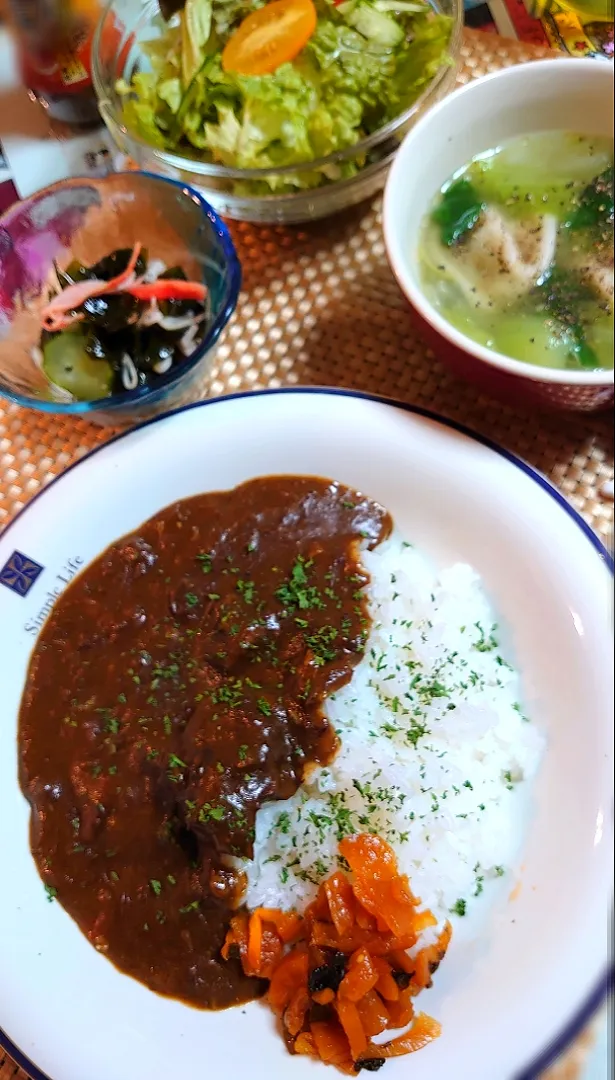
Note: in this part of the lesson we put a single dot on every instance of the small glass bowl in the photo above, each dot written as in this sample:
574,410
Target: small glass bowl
118,52
86,219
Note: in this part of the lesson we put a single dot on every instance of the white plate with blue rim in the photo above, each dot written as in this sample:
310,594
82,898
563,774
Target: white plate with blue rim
517,990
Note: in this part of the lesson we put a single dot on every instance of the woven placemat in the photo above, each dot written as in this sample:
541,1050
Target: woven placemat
319,306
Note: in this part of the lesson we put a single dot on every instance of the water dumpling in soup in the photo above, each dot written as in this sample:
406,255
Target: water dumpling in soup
501,259
517,251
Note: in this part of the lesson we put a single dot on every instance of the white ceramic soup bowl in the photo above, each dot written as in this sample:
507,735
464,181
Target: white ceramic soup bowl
546,95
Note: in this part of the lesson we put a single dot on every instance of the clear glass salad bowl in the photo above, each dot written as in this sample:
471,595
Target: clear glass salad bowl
86,219
252,194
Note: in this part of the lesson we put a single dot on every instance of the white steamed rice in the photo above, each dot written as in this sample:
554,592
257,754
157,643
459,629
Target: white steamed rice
435,749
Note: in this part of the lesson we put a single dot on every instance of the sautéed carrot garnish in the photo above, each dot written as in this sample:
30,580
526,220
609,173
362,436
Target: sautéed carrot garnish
341,975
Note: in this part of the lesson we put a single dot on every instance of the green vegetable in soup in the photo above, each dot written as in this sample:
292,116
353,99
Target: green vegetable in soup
458,211
532,340
595,207
600,337
563,294
517,251
67,364
546,172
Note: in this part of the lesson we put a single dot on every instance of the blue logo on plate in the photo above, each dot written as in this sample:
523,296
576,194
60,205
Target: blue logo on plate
20,573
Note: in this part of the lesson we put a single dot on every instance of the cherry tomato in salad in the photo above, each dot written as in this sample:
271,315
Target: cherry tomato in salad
269,37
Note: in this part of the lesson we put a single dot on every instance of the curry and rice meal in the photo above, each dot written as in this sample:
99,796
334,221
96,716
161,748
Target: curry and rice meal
278,715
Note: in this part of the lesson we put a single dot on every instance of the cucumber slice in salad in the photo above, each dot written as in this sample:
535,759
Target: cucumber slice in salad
378,27
67,364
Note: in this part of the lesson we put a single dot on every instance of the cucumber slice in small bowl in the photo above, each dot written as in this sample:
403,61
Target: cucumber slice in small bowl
68,365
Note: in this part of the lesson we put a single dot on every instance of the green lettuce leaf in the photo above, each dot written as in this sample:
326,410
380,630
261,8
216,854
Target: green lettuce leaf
195,30
271,126
335,124
346,66
141,112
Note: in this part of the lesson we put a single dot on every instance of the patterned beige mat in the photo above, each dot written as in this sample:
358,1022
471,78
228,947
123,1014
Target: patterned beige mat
319,306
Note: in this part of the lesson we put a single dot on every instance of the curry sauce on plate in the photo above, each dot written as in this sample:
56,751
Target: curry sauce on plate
177,686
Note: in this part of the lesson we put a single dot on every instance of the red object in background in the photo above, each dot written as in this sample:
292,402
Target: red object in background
527,27
55,48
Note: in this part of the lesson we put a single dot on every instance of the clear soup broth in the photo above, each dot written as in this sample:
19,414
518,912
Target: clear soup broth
517,250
